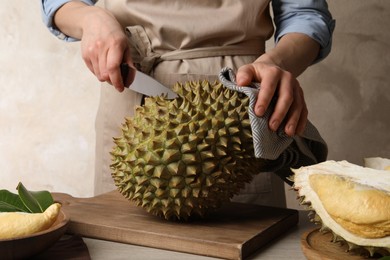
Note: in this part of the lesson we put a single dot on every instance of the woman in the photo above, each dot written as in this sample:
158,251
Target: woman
177,41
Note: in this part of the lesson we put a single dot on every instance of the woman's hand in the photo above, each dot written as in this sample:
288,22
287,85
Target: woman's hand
290,105
276,71
104,44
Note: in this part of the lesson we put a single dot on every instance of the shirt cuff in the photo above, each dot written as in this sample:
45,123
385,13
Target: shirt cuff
49,8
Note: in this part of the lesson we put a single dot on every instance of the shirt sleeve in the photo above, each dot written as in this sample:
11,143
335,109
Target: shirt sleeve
49,8
310,17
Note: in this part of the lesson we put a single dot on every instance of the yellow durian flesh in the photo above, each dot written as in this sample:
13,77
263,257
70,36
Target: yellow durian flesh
360,209
350,200
20,224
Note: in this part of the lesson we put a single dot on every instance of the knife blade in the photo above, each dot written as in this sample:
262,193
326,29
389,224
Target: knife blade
145,84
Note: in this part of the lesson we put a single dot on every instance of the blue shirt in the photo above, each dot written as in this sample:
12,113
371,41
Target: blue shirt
310,17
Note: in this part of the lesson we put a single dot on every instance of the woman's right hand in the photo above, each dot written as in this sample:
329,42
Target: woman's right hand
104,44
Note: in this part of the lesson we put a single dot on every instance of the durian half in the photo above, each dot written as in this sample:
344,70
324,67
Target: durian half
183,157
350,200
378,163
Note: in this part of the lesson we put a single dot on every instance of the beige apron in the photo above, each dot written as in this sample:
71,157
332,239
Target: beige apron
178,41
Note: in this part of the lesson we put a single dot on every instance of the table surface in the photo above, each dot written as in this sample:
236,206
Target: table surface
287,246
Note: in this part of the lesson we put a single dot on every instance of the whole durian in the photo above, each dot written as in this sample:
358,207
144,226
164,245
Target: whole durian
182,157
349,200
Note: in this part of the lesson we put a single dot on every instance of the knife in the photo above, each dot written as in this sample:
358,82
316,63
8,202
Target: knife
145,84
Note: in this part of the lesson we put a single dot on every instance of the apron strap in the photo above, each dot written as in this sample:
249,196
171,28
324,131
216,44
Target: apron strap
145,58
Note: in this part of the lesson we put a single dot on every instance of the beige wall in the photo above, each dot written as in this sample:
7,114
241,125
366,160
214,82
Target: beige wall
48,102
49,99
348,94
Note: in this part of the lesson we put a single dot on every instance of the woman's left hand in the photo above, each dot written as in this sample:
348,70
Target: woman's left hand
290,105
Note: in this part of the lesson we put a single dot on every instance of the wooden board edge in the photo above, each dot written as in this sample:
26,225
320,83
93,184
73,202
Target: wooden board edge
219,250
257,242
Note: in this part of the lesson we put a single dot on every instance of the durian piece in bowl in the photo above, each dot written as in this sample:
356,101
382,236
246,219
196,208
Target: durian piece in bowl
349,200
186,156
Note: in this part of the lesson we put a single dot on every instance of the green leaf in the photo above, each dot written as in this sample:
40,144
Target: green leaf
35,201
44,198
10,202
385,258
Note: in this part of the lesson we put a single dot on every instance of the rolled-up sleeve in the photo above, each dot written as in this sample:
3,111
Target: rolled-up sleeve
49,8
310,17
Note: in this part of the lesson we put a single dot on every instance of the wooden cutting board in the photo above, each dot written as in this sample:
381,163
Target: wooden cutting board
235,231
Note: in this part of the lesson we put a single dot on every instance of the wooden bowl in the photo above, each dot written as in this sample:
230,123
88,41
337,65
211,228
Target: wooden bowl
28,246
317,245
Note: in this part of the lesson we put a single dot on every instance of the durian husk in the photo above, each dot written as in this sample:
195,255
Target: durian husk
378,163
183,157
351,201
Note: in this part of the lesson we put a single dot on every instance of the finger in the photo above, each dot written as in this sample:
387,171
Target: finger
91,59
114,60
269,84
89,65
88,60
295,112
284,101
293,118
103,66
304,116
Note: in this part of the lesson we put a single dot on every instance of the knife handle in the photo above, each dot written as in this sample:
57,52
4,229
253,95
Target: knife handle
124,73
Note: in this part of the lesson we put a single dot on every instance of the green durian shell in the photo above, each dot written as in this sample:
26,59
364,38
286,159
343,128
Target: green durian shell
183,157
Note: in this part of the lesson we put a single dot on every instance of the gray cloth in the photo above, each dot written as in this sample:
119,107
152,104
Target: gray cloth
286,152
